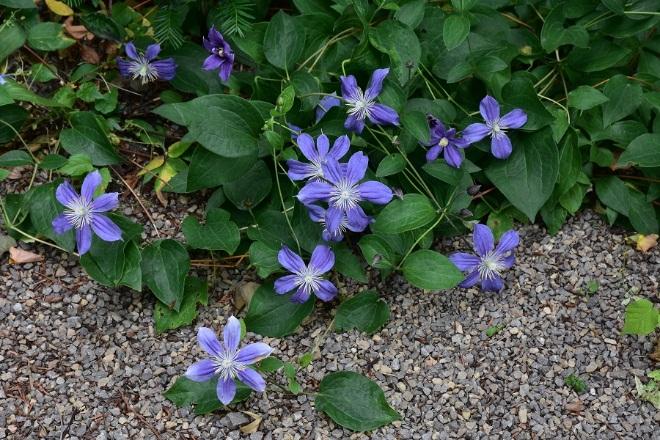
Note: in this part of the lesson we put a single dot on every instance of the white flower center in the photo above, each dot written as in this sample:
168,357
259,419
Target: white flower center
443,142
309,280
359,106
491,265
79,213
219,51
143,70
226,365
496,128
344,196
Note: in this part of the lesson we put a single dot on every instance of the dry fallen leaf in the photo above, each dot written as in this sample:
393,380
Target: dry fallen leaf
647,242
575,407
78,32
655,356
243,295
20,256
90,55
253,425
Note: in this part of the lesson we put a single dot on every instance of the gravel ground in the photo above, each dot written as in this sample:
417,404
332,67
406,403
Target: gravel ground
81,361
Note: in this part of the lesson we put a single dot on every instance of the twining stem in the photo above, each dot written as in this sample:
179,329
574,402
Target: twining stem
284,210
449,97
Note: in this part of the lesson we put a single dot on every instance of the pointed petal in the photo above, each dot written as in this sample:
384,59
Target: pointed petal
212,62
375,192
333,219
508,241
376,83
484,241
470,280
252,353
354,124
509,261
349,87
208,45
383,115
314,191
325,104
105,202
131,51
124,67
286,284
61,224
323,259
356,167
433,153
327,291
226,390
307,147
252,379
91,182
300,296
475,132
290,260
516,118
316,213
501,146
201,371
340,147
322,146
464,262
215,37
332,170
66,194
166,68
453,156
299,171
152,51
231,334
357,220
226,68
208,341
84,239
494,284
489,108
105,228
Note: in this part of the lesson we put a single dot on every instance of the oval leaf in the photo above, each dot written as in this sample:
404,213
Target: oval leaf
275,315
431,271
365,312
165,264
407,214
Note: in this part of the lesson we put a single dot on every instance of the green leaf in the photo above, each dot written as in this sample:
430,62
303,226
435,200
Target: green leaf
48,37
643,151
554,34
264,258
43,208
52,161
284,101
443,172
15,158
165,264
348,264
570,163
431,270
401,44
12,37
391,164
641,318
77,165
202,395
189,77
283,42
411,13
219,233
87,135
624,98
354,402
365,312
102,26
416,124
499,222
275,315
528,176
18,4
455,30
250,189
586,97
196,291
520,93
642,214
208,170
613,193
401,215
377,252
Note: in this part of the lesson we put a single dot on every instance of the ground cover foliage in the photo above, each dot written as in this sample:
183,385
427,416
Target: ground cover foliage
326,138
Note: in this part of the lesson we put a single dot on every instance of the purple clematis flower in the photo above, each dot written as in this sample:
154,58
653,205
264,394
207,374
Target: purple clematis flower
144,67
362,105
83,212
222,57
490,261
3,79
317,155
227,362
317,214
343,192
495,127
325,104
446,142
306,279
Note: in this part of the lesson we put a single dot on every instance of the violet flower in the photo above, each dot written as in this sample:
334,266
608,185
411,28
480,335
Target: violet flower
227,362
306,279
144,67
325,104
495,127
343,192
3,79
446,142
489,263
83,212
317,155
362,105
317,214
222,56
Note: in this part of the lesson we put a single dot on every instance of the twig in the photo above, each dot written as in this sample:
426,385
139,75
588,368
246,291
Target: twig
138,200
139,416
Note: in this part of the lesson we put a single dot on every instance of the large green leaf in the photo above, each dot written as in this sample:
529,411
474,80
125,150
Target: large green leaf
431,270
348,264
554,34
15,158
190,78
219,233
586,97
624,98
411,212
641,318
208,170
250,189
455,30
275,315
48,36
365,311
643,151
18,4
12,37
520,93
401,44
196,291
165,264
43,208
283,41
13,116
528,176
354,402
202,395
87,135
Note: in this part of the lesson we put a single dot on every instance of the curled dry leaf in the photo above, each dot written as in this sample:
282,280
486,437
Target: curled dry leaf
647,242
78,32
20,256
253,425
575,407
243,294
90,55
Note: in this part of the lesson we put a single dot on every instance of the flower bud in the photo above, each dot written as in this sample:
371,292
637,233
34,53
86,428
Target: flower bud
473,190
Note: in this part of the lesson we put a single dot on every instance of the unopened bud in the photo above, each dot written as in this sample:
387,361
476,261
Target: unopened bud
465,213
473,190
398,193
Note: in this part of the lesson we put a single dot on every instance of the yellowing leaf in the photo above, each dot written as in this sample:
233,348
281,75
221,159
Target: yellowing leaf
646,242
60,8
153,164
166,173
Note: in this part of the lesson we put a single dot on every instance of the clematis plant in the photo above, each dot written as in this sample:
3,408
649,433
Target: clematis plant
446,142
84,212
144,66
222,56
317,155
362,105
489,263
306,279
227,362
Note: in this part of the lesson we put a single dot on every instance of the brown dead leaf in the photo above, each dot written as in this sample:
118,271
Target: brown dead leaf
243,295
78,32
20,256
647,242
90,55
253,425
575,407
655,356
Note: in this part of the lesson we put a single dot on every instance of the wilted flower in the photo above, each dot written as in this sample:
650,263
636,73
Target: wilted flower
362,105
83,212
144,67
227,362
343,192
444,141
306,279
317,155
495,127
489,263
222,57
325,104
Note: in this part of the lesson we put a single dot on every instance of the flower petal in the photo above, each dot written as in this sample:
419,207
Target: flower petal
252,353
307,147
484,241
212,62
290,260
226,68
252,379
475,132
152,51
105,202
314,191
208,341
66,194
470,280
375,192
383,115
84,239
131,51
325,104
508,242
226,390
354,124
316,213
509,261
326,291
300,171
286,284
501,146
356,167
166,68
349,87
201,371
89,185
376,84
61,224
340,147
322,146
332,171
105,228
215,37
433,153
489,108
333,219
322,260
453,156
464,262
300,297
357,220
494,284
124,67
516,118
231,334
